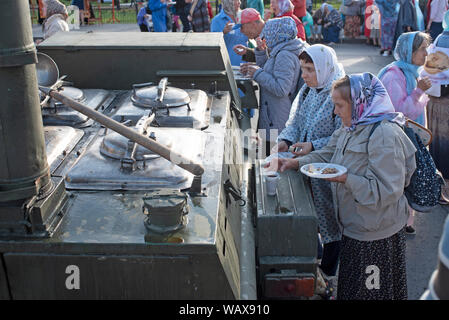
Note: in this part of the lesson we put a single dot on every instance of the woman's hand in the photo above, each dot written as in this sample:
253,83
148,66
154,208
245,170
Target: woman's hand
425,83
228,27
327,25
339,179
240,49
303,148
281,165
249,69
189,17
261,44
280,147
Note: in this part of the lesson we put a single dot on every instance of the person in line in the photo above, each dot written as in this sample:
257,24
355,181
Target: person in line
252,25
407,19
284,8
256,4
407,92
318,24
277,73
388,19
226,22
182,10
437,108
143,19
375,26
368,11
307,22
369,199
309,127
56,16
353,22
420,17
332,24
199,16
436,10
299,8
159,14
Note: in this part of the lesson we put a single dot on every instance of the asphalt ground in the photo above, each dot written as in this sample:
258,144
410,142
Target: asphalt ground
356,57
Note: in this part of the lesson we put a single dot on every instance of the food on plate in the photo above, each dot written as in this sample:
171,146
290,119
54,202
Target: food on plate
329,171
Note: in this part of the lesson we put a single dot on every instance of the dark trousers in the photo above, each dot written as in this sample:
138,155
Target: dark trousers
183,13
331,255
143,28
331,34
435,29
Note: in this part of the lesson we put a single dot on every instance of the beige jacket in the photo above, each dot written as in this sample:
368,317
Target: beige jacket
55,24
371,205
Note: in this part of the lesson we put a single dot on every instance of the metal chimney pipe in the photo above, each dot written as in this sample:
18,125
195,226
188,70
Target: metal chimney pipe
24,170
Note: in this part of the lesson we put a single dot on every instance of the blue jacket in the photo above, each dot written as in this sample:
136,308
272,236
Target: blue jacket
234,37
159,15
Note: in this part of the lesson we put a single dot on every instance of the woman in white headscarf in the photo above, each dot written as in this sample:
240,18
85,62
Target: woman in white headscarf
56,16
309,127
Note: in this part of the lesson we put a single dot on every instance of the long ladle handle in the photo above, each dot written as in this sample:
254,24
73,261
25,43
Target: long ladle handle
163,151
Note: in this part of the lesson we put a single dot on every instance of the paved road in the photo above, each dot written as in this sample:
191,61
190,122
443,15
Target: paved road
421,248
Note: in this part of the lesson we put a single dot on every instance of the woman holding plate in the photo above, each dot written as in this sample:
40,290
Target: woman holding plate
369,199
309,127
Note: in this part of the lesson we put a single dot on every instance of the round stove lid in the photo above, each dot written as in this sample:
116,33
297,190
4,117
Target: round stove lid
73,93
173,97
115,146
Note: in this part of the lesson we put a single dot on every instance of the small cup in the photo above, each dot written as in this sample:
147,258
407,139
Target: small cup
271,182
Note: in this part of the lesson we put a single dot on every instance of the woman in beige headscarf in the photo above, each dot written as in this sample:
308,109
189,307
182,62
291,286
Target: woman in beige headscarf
56,16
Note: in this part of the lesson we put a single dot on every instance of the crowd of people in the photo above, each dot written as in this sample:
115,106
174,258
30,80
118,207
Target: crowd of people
310,107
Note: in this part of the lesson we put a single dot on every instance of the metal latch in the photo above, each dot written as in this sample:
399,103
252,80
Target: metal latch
235,193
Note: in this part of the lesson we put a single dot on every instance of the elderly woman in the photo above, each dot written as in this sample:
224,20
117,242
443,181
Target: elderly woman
437,108
56,16
310,127
400,78
369,199
388,19
332,24
277,73
225,22
284,8
199,16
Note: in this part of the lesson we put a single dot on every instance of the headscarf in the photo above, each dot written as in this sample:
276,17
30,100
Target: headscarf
55,7
387,8
370,101
279,30
229,8
403,54
446,21
326,64
324,5
284,6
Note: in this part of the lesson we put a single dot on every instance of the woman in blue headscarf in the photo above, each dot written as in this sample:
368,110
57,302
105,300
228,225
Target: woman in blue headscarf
371,208
388,19
277,72
400,78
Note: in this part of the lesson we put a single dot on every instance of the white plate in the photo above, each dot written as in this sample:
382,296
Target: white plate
318,167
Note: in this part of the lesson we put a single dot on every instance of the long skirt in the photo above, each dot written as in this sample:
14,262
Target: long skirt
352,26
438,123
373,270
387,30
331,34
